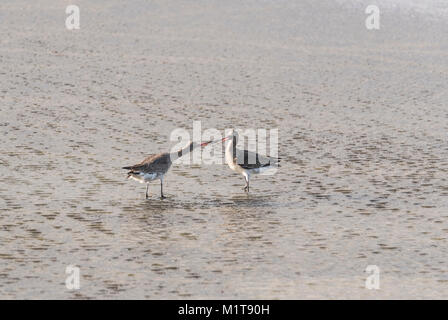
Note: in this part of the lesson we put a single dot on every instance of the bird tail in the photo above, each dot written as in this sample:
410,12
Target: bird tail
275,162
127,168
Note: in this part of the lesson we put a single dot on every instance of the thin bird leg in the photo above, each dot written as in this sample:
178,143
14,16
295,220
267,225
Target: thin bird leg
147,187
161,189
246,187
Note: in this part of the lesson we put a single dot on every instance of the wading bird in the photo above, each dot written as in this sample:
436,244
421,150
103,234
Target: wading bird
157,165
246,162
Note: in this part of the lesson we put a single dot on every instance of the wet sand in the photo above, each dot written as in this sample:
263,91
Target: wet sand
362,118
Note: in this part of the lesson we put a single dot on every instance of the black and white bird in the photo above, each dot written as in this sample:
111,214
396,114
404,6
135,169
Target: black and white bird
246,162
155,166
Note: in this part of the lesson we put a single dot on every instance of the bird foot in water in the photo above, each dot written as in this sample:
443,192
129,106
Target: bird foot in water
162,197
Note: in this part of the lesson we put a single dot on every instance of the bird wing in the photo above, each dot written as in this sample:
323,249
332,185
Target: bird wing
251,160
153,163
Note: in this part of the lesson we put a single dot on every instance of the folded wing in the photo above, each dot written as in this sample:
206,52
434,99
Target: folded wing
252,160
152,164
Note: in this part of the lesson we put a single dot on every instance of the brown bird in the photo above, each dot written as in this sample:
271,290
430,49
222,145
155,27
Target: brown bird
157,165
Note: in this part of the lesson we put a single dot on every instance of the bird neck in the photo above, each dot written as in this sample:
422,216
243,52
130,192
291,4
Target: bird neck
229,151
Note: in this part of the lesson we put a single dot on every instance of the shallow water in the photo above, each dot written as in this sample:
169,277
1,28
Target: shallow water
362,121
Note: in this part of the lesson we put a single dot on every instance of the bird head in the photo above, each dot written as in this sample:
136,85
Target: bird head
233,134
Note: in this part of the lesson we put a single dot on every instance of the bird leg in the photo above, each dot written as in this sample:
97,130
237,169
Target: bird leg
161,190
147,187
246,187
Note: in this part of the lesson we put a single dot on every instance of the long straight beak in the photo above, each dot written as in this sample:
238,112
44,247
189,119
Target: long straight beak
211,141
206,143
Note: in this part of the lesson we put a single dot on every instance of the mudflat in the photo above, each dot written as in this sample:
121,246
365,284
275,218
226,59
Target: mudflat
363,136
